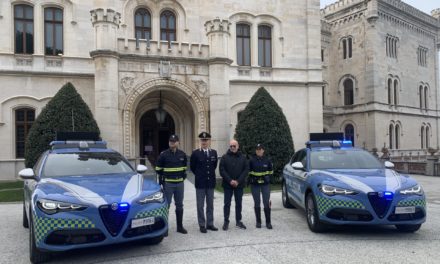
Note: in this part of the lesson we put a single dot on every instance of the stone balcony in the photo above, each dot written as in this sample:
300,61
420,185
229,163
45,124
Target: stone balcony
160,49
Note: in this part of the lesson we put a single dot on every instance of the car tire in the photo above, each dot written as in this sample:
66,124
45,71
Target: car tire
408,228
315,225
285,198
154,240
25,219
35,255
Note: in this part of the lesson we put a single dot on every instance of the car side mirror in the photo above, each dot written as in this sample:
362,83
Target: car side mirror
141,168
389,165
298,166
27,174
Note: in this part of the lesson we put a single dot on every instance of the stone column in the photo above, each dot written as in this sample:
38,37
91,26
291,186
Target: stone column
218,34
106,23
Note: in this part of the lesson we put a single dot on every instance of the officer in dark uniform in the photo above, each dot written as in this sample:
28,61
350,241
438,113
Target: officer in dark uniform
171,167
260,170
203,163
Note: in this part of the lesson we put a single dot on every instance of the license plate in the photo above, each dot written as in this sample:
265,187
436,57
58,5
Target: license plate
405,210
142,222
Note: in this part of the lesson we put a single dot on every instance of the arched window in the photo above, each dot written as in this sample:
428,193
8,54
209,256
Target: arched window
421,96
427,136
349,133
53,31
396,92
168,26
422,137
348,92
323,95
344,49
142,24
243,45
391,136
347,47
397,136
390,91
24,118
426,95
24,29
264,46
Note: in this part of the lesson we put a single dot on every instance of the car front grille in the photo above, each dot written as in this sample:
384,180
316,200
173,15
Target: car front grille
380,203
113,219
343,214
75,237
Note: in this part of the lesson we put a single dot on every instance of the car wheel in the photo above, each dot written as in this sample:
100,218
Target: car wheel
315,225
154,240
25,219
408,228
285,197
35,255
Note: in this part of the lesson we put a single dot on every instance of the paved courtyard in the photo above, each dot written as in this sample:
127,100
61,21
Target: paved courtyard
289,242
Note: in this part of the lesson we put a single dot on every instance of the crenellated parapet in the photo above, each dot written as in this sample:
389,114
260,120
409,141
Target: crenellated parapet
339,5
105,15
217,25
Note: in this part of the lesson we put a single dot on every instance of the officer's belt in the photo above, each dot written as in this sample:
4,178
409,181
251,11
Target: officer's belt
178,169
174,179
260,174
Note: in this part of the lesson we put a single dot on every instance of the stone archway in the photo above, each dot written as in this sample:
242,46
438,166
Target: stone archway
138,94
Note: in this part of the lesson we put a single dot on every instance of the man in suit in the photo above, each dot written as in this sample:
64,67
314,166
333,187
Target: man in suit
203,163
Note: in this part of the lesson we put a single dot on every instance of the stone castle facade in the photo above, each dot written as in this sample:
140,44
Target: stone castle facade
149,68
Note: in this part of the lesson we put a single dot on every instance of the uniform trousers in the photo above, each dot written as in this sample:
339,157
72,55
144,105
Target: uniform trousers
203,194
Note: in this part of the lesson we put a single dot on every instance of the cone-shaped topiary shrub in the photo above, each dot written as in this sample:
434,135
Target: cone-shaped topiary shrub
66,111
262,121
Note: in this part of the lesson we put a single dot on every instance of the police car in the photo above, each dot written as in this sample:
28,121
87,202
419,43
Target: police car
82,194
338,184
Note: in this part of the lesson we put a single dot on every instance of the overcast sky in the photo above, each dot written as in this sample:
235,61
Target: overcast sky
425,5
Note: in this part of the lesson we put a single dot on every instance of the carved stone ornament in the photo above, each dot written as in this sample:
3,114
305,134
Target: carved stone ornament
201,86
127,84
165,69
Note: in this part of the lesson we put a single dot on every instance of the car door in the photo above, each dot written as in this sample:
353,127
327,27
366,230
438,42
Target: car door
30,185
289,174
299,177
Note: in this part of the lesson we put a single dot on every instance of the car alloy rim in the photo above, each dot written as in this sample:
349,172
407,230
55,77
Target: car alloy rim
310,210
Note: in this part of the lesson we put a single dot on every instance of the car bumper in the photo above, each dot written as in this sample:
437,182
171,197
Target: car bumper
83,229
360,210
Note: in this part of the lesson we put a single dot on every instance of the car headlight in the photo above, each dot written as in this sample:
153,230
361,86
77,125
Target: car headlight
415,190
331,190
153,198
53,207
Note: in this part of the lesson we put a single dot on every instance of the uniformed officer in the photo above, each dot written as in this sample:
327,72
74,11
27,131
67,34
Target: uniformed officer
203,163
171,167
260,170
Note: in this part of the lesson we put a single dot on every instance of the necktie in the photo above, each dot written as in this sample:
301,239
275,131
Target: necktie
207,153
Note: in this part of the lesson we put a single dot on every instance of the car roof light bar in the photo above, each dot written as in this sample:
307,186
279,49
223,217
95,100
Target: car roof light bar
78,144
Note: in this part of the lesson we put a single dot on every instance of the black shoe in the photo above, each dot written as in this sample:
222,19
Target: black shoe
258,225
182,230
203,229
212,228
241,225
225,226
269,225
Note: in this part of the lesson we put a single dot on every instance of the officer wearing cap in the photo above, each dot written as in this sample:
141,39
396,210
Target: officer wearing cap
203,163
260,170
171,167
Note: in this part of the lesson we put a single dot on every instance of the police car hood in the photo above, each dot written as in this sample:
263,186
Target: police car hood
365,180
97,190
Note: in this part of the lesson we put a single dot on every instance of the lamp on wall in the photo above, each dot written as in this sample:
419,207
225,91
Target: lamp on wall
160,113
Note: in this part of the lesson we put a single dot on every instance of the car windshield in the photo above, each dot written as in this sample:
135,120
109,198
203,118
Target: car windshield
343,159
69,164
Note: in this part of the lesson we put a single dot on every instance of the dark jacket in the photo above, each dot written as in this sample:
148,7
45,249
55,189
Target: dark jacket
260,170
171,166
233,166
204,167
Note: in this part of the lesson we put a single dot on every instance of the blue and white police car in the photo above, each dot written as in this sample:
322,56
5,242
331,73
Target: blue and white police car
341,185
82,194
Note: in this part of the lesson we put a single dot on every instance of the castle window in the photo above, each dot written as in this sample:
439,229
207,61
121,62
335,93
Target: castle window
142,22
53,31
264,46
24,29
426,95
391,46
396,92
427,137
397,136
347,47
348,92
391,136
168,26
243,45
422,137
390,91
422,55
421,96
349,133
24,117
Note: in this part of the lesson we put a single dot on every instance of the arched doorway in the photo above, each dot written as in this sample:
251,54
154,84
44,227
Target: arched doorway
153,136
349,133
